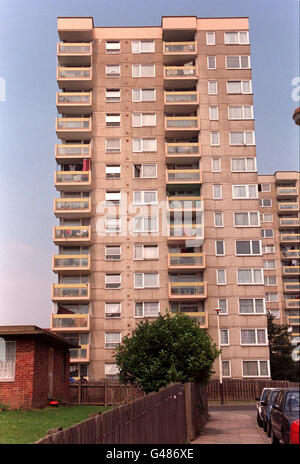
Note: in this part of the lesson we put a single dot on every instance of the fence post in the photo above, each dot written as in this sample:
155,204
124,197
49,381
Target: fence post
188,412
79,393
105,392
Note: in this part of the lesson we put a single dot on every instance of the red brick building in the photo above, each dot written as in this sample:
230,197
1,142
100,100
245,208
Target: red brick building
34,366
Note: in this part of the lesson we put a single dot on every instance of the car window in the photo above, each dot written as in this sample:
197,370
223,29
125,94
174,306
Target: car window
292,401
273,396
264,395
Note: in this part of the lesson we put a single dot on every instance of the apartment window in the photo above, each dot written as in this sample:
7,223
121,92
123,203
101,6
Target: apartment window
250,219
144,145
112,47
143,95
214,139
112,95
112,340
145,224
224,337
222,304
113,198
237,38
143,70
210,38
146,280
144,197
250,276
220,247
221,276
226,369
113,120
270,280
240,112
145,252
112,225
243,165
254,337
143,119
265,187
112,252
145,171
113,310
218,219
212,87
244,191
268,249
143,46
147,309
267,233
243,87
247,247
237,62
269,264
217,192
113,172
216,164
265,202
256,368
111,371
251,306
113,70
211,62
113,145
112,281
7,361
213,113
271,297
242,138
275,313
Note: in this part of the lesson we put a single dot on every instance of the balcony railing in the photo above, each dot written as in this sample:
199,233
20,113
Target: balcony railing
289,237
73,180
187,290
74,53
68,152
69,292
182,97
288,206
289,253
184,175
293,320
72,207
182,48
80,355
72,234
75,78
200,317
292,303
182,148
291,270
175,123
286,222
187,231
185,203
70,322
68,128
180,72
74,102
72,263
291,286
186,260
286,191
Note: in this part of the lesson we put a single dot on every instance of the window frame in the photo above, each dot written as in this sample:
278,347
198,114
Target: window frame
139,42
251,248
141,99
252,276
240,62
247,190
208,87
239,39
217,276
135,113
256,337
107,312
120,281
142,170
211,34
241,87
215,62
258,361
143,252
216,249
113,75
244,137
143,279
249,216
243,112
254,313
143,306
140,70
245,159
12,369
228,337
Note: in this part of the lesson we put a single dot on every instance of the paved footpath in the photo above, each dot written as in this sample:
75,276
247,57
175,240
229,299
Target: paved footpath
232,424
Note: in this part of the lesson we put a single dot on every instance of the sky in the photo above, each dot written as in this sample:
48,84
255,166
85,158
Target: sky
28,38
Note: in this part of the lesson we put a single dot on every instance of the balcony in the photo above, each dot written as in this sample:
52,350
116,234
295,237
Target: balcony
73,103
73,181
80,355
177,125
291,287
72,207
292,303
186,203
182,77
187,151
187,290
74,128
289,253
293,320
68,153
70,292
74,54
178,232
288,206
184,176
174,52
291,270
289,222
286,191
183,261
200,317
72,235
72,29
70,322
181,101
289,237
71,264
74,78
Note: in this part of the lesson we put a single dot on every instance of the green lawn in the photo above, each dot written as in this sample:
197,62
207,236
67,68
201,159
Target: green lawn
21,427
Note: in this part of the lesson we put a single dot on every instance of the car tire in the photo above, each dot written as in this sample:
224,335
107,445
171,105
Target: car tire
274,439
259,421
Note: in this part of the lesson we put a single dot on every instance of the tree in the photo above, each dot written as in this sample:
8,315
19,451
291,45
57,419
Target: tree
282,365
170,349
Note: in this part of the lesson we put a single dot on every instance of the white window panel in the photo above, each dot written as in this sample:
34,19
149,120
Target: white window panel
147,309
226,369
145,171
113,310
240,112
143,95
271,297
143,70
113,198
222,304
242,138
266,217
250,277
112,281
210,38
145,224
113,70
220,247
112,47
265,202
243,87
243,165
211,62
270,280
267,233
113,145
221,276
265,187
256,368
218,219
268,249
145,252
112,95
216,164
143,46
237,38
113,120
7,360
146,280
252,306
217,192
247,247
237,62
224,337
112,339
244,191
213,113
113,253
254,337
212,87
144,145
214,139
112,225
111,370
113,172
145,197
143,119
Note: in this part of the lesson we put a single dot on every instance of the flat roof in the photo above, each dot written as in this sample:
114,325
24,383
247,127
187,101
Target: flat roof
34,331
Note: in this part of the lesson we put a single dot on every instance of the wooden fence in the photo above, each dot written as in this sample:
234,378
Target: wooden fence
171,416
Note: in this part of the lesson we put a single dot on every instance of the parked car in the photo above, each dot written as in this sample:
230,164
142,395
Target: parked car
294,433
260,400
284,412
266,409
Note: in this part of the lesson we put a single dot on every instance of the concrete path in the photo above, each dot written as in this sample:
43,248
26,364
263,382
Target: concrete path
232,424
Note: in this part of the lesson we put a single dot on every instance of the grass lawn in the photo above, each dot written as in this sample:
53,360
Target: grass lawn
21,427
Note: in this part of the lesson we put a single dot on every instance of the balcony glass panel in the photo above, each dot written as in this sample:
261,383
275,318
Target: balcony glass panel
291,269
70,291
179,47
291,253
289,221
293,303
286,191
73,98
72,232
186,259
181,97
183,175
289,237
71,261
70,322
187,288
73,150
180,71
72,176
185,203
185,231
78,353
182,122
182,148
288,206
66,204
74,48
74,73
292,286
73,124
